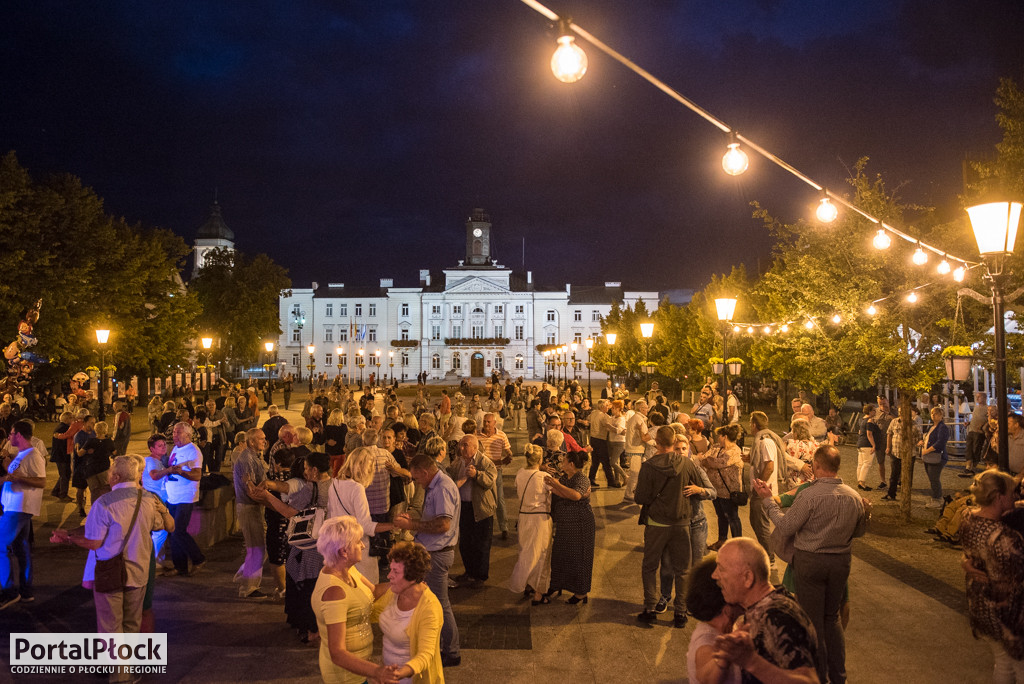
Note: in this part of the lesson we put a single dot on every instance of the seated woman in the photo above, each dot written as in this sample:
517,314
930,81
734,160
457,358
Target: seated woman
705,602
410,618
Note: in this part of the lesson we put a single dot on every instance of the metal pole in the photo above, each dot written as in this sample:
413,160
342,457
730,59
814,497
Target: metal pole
998,325
103,381
725,374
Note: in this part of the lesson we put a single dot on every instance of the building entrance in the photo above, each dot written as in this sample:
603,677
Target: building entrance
476,365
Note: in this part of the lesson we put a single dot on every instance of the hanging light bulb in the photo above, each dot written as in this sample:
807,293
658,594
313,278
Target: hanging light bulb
920,256
826,211
767,330
750,330
784,328
735,160
881,239
912,298
809,325
943,267
735,328
872,310
569,62
837,319
959,273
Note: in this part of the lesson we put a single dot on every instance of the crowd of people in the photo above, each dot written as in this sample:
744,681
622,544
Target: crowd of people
356,515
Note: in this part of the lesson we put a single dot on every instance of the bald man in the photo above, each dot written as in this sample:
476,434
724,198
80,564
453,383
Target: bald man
474,474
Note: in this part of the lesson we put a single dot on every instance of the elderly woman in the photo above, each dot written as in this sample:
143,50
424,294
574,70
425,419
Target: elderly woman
994,563
153,411
303,565
800,445
934,455
410,618
342,603
284,478
533,567
554,440
572,552
724,466
348,497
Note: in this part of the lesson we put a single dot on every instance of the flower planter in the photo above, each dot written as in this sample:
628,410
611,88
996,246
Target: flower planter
958,367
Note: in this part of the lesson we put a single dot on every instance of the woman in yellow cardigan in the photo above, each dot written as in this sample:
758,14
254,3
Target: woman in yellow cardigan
410,618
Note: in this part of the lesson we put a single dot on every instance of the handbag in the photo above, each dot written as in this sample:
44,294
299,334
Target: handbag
645,508
111,575
304,527
739,498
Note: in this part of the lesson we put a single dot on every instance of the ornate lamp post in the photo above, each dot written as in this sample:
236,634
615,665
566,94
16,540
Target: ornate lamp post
573,346
312,363
361,363
378,366
725,308
995,230
610,338
207,349
101,338
564,362
391,365
271,361
589,344
340,365
647,330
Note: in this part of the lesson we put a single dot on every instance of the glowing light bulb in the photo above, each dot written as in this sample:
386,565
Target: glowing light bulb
735,328
912,298
826,211
920,257
943,267
881,239
735,160
837,319
784,328
767,330
872,310
809,325
569,62
959,273
750,330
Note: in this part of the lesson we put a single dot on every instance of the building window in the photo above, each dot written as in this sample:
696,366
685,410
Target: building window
478,331
595,316
373,309
456,361
372,360
577,338
328,334
343,360
405,358
551,338
456,309
551,316
372,335
478,310
404,333
296,335
435,362
499,308
343,309
456,330
519,332
405,309
498,330
499,362
435,332
520,363
328,310
435,309
343,334
359,309
577,315
295,360
329,360
520,308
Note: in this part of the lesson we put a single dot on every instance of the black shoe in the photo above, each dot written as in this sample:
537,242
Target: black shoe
594,485
648,617
967,474
888,498
255,594
882,485
543,600
451,661
679,620
662,605
504,535
573,600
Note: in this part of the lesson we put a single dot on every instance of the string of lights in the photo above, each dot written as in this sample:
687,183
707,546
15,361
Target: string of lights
569,63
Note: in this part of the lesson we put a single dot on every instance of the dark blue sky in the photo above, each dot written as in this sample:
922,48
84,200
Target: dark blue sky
350,139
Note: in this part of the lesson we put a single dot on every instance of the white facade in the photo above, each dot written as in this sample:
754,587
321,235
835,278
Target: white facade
478,318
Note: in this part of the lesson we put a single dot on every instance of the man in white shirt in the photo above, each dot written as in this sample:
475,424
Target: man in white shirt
22,498
494,445
636,437
185,467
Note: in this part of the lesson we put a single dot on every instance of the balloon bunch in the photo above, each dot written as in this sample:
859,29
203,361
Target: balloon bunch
20,361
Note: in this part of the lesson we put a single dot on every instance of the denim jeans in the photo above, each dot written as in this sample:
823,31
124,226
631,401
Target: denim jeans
934,472
728,519
14,545
183,546
437,580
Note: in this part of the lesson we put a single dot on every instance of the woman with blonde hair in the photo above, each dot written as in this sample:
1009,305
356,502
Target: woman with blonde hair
348,497
342,601
533,568
335,432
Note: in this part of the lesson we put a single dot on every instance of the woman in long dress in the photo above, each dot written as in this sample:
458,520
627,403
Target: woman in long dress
533,567
572,552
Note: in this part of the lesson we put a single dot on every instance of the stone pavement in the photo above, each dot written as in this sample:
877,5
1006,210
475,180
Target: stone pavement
908,621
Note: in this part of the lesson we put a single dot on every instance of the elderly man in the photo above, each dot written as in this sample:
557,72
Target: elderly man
109,528
272,426
599,426
22,498
250,469
494,445
378,494
184,469
438,531
1015,431
704,409
217,427
475,475
976,434
287,437
776,642
822,522
637,436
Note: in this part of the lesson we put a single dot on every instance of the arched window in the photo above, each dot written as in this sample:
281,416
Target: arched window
435,362
499,361
519,362
456,361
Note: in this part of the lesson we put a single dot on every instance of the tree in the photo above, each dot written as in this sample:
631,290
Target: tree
240,298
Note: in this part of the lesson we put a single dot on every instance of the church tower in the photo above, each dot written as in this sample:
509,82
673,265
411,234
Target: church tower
213,234
478,239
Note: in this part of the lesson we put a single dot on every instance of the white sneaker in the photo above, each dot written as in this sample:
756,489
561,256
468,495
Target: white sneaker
934,503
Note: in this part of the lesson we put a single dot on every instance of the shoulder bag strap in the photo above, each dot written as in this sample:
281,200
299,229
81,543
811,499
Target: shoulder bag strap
523,499
131,525
334,488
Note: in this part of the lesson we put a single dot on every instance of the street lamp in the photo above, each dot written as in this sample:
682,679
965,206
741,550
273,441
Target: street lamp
647,330
361,363
726,307
207,347
377,378
271,363
574,346
610,338
564,363
101,337
589,344
340,351
391,365
312,364
995,230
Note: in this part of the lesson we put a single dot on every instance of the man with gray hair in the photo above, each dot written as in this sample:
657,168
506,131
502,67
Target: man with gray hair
184,469
250,469
636,437
976,434
599,426
474,474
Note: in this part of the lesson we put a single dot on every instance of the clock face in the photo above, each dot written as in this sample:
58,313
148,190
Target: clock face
477,232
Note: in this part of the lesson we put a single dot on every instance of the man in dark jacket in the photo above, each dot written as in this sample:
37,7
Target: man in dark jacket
663,485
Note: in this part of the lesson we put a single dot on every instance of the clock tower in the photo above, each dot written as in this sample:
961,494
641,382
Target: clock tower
478,239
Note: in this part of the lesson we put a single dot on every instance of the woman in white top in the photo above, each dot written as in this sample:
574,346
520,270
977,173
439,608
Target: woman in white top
455,423
533,568
348,497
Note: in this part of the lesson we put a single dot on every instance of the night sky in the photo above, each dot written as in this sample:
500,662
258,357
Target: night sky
350,140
